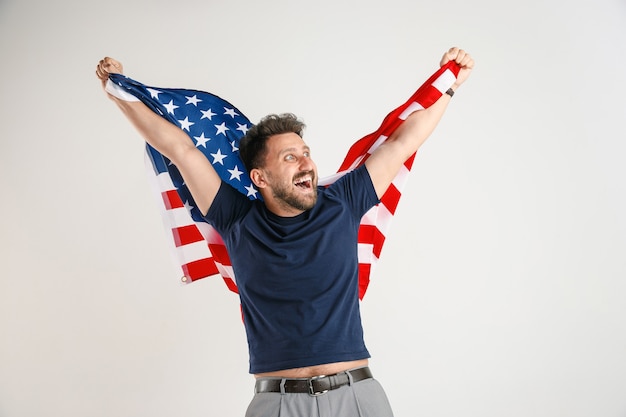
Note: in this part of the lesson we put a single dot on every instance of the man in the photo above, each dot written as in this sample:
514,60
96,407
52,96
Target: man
295,252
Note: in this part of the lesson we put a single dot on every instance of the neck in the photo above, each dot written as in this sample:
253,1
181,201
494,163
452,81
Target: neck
280,208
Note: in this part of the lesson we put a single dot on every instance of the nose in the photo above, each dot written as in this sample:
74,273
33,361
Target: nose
306,164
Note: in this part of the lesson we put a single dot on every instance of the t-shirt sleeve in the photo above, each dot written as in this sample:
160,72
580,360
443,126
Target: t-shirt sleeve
357,190
228,206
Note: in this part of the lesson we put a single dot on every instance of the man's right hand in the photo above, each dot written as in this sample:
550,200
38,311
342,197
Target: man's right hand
108,66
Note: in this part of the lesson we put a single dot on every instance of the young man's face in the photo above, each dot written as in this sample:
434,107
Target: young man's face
289,174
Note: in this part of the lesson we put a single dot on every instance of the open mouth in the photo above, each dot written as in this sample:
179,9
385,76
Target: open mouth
304,182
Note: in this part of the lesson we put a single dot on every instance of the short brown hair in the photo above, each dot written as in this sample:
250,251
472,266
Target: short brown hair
252,149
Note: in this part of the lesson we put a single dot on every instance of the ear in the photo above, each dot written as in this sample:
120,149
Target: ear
258,178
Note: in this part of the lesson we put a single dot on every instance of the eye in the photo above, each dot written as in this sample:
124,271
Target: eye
289,157
307,154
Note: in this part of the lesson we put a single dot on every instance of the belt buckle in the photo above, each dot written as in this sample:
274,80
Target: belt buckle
312,391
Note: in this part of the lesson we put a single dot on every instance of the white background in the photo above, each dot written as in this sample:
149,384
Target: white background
501,287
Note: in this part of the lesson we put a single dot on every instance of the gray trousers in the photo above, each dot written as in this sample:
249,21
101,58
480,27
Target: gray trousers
360,399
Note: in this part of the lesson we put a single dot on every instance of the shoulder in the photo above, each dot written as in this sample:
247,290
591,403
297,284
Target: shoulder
359,178
355,188
228,203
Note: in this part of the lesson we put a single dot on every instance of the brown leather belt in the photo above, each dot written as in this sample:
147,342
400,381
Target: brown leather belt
313,386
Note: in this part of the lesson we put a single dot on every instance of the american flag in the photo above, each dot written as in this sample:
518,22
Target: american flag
216,127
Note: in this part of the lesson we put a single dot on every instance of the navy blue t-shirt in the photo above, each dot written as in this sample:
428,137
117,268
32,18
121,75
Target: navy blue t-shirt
298,276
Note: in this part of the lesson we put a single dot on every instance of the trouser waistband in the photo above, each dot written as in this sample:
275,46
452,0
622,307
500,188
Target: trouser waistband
313,386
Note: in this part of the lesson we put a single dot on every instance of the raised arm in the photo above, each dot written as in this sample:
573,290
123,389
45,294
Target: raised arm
170,140
383,165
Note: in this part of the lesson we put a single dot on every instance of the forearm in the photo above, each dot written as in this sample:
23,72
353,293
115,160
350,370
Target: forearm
384,163
164,136
158,132
418,126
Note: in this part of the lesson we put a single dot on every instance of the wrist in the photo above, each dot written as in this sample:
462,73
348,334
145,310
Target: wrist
118,92
450,91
